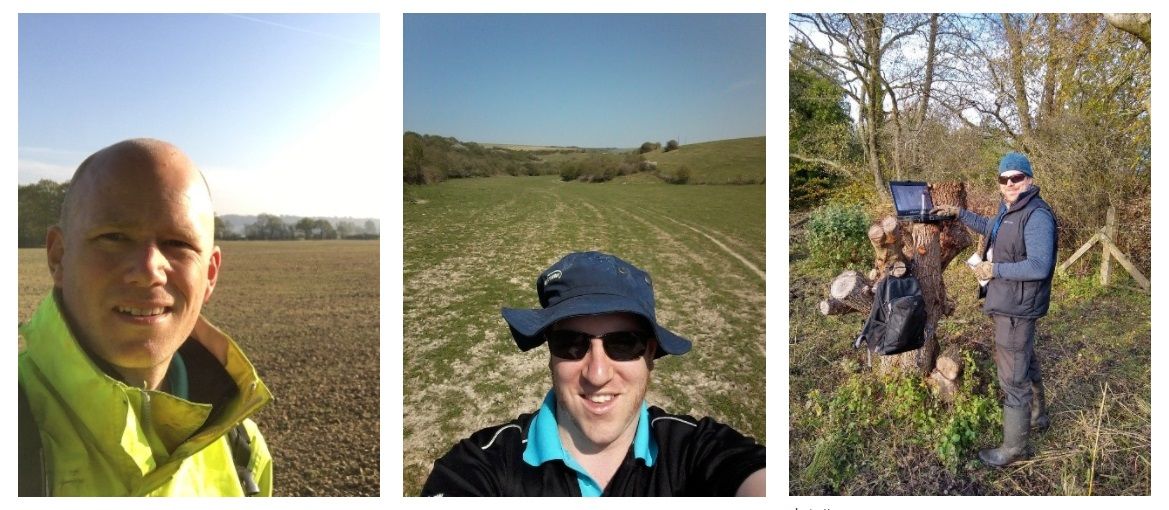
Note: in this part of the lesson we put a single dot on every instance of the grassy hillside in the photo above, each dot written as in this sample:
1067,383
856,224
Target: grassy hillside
472,246
856,433
724,161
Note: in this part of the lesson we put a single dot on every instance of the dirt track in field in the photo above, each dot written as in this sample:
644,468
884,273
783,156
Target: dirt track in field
472,247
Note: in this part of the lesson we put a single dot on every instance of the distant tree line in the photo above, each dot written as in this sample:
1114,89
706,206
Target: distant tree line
39,207
430,158
272,227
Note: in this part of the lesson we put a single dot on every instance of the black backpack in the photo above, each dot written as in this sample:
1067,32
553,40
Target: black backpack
33,479
896,322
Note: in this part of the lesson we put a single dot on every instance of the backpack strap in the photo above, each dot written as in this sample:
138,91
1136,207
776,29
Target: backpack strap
241,455
33,477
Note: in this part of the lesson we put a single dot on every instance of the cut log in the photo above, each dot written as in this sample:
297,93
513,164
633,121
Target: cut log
898,269
853,290
945,389
888,247
833,307
950,363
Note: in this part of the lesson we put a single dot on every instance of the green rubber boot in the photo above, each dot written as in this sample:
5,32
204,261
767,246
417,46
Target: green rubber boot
1039,419
1016,422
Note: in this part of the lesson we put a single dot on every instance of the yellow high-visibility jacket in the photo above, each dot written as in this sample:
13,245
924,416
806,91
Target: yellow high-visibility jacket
103,438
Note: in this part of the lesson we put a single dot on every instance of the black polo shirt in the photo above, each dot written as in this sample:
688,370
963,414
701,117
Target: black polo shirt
695,458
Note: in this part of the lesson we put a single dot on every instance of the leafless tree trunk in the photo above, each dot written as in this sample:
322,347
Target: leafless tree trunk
1016,67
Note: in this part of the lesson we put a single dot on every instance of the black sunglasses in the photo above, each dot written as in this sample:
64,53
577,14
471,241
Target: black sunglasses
619,345
1017,178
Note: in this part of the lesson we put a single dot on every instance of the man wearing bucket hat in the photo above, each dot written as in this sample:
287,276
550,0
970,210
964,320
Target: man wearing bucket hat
594,435
1019,261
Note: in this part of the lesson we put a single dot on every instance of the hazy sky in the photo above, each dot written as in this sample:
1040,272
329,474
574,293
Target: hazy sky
279,110
585,80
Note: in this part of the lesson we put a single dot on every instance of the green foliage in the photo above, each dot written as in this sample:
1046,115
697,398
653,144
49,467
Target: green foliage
671,145
38,208
809,184
428,159
819,125
681,176
842,420
269,227
319,228
865,414
649,147
601,167
974,411
837,236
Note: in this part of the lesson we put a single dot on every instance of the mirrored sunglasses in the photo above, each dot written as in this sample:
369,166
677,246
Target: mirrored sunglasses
619,345
1014,179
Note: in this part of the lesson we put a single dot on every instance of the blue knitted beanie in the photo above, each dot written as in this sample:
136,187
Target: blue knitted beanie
1015,161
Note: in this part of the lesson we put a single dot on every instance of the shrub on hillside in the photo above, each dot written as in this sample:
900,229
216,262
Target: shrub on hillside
680,176
570,170
649,147
671,145
837,237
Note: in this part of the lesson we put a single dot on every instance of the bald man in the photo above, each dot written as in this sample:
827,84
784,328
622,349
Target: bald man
126,390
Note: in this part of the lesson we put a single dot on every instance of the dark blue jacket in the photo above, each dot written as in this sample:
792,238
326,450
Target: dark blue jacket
1024,256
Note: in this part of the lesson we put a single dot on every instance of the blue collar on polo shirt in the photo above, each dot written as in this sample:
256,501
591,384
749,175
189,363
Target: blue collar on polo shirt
544,444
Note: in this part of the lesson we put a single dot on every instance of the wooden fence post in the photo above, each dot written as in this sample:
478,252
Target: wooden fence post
1105,254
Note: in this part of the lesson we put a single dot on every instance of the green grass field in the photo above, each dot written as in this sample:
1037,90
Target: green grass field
855,433
472,246
307,315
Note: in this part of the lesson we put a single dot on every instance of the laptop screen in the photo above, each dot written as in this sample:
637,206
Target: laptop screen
911,197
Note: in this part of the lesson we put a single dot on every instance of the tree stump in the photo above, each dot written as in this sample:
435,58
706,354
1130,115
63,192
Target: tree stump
954,236
950,363
944,378
924,250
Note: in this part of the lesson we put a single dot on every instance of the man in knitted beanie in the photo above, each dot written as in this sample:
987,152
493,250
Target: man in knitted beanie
1019,261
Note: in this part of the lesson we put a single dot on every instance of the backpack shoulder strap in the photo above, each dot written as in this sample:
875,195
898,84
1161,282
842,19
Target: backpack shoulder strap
241,455
33,478
878,298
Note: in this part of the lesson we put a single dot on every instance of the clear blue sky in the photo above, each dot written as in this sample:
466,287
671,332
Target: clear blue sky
585,80
277,109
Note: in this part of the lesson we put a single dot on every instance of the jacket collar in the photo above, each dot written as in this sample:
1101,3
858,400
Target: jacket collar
1022,201
108,408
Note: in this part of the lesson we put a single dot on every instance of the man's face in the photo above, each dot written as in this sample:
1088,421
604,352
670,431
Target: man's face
598,399
1011,190
136,261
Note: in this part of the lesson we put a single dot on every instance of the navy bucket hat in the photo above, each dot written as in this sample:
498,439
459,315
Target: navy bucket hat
1015,161
590,283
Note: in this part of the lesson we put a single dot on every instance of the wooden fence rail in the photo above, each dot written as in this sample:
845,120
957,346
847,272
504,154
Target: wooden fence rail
1108,252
